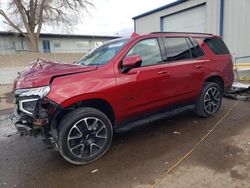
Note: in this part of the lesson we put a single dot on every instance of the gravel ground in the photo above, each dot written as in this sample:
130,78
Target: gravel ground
140,158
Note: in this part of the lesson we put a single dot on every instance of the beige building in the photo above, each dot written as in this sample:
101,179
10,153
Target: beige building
11,43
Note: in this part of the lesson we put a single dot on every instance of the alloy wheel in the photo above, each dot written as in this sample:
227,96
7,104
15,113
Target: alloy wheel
87,137
212,100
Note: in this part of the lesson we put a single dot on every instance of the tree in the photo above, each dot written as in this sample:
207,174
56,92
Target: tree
28,16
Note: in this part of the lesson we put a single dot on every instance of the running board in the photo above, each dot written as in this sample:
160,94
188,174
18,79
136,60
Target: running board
152,118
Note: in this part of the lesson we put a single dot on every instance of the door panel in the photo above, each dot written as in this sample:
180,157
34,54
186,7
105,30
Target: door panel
143,89
187,78
185,72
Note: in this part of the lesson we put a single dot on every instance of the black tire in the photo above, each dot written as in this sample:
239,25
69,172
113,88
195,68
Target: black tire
83,128
209,101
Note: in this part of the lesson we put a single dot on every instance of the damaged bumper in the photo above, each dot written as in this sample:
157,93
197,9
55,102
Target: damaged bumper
32,116
21,125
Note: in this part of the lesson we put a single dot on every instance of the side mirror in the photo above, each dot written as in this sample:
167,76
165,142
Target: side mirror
130,62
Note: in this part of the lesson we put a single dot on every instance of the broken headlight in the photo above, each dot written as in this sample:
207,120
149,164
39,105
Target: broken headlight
27,98
38,91
28,105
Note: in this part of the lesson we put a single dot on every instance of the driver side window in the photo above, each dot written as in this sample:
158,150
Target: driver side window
149,51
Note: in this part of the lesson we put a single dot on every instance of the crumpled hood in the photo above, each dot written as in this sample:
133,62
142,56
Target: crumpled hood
40,72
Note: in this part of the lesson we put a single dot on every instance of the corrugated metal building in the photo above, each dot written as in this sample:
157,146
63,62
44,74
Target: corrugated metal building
228,18
11,43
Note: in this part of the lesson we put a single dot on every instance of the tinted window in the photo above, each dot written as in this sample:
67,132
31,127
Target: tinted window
196,50
148,50
177,49
217,46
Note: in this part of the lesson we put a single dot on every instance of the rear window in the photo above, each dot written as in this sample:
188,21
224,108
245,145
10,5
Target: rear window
177,49
217,46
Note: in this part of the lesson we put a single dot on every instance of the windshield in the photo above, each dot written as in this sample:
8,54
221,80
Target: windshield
103,54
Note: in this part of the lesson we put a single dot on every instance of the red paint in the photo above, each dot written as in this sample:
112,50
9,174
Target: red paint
131,61
140,90
134,35
40,72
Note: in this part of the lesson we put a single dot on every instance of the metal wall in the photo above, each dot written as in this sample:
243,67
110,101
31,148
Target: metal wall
152,22
181,21
236,26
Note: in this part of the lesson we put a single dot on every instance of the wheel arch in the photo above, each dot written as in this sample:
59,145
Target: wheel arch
216,79
98,103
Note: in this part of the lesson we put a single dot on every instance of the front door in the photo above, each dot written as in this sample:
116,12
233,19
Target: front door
142,88
46,46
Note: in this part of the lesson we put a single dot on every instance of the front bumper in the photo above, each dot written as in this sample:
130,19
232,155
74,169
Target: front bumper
26,128
31,118
37,123
21,125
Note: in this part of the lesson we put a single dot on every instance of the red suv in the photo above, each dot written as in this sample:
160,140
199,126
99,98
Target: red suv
122,84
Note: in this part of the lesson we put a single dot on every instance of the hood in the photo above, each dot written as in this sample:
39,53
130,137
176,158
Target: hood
40,72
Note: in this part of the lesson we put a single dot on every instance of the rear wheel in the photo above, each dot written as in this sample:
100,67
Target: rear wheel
209,101
84,136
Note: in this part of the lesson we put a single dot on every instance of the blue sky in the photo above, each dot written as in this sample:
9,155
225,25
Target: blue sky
110,17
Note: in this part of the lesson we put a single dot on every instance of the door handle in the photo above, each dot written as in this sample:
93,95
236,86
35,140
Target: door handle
163,72
198,66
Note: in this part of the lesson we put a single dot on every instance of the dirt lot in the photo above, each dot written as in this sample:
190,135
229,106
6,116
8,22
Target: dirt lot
141,157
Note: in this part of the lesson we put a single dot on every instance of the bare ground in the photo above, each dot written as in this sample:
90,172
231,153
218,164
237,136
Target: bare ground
139,158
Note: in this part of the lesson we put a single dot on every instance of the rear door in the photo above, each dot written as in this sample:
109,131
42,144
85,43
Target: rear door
186,69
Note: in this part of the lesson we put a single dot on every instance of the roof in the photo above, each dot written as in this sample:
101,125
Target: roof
54,35
160,8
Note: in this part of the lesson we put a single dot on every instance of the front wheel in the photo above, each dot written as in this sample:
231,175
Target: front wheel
84,135
209,101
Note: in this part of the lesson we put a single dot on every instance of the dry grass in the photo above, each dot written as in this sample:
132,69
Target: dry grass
22,60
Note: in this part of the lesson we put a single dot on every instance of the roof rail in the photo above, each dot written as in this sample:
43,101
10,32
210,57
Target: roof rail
181,33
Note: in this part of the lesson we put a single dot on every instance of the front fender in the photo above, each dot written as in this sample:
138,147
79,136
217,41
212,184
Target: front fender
85,97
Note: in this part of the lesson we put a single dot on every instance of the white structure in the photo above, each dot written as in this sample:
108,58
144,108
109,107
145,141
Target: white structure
11,43
228,18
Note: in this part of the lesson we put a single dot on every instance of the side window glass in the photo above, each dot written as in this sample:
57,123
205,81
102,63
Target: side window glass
217,46
177,49
192,49
149,51
195,48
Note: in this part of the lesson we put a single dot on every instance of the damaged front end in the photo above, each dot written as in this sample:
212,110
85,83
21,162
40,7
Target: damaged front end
33,112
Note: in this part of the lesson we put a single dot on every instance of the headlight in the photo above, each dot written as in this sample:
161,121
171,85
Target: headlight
39,91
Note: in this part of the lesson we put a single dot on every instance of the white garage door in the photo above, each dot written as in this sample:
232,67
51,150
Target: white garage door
192,20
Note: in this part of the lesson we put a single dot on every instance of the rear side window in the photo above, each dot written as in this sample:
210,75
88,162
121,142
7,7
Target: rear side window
177,49
217,46
195,48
